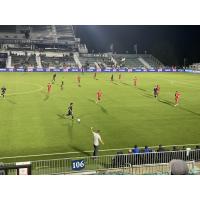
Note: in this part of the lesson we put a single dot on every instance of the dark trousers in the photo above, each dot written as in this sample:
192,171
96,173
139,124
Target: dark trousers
95,150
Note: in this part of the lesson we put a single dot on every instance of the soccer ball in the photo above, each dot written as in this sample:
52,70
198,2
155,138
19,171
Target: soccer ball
78,120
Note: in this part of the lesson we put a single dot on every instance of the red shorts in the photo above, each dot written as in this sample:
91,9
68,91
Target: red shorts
176,99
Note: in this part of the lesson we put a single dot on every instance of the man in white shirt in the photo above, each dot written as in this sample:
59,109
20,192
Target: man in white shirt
97,138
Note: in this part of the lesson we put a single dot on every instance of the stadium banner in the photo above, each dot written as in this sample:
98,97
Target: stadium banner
152,70
167,70
73,70
196,71
107,70
122,70
180,70
3,70
39,70
188,70
56,70
130,70
20,70
78,165
10,70
90,70
136,70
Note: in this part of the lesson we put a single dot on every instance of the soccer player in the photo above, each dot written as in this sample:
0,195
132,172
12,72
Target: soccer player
70,111
3,91
79,80
99,95
54,78
177,98
155,91
120,76
158,89
49,87
95,75
112,78
135,80
62,84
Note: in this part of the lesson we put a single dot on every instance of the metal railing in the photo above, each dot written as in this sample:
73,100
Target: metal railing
141,163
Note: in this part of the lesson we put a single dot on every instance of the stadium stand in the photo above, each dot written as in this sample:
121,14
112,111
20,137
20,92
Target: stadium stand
152,61
19,60
128,60
97,60
62,61
61,39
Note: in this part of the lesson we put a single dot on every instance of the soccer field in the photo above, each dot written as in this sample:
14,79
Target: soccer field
33,123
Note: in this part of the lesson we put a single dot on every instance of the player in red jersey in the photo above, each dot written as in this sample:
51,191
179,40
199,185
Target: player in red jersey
158,89
120,76
135,80
177,98
49,87
79,80
99,95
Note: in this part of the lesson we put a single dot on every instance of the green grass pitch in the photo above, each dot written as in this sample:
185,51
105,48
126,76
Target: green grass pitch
32,123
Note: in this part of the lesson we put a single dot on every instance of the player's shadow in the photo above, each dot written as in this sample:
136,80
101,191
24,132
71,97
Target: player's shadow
11,101
70,129
92,100
61,116
115,83
166,102
147,95
190,111
141,89
80,150
46,97
103,109
125,84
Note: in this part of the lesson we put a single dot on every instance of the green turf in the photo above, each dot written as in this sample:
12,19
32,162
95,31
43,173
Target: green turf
33,123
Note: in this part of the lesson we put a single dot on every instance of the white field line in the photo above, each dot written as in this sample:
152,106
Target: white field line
88,151
180,82
27,92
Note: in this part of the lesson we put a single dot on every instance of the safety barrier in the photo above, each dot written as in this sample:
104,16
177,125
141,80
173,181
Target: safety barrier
141,163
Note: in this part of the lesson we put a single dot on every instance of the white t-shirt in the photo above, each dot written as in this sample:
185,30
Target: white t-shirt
97,137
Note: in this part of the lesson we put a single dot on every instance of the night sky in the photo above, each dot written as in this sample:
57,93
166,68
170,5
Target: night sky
170,44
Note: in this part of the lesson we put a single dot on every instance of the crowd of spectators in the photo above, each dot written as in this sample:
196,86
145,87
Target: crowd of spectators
161,154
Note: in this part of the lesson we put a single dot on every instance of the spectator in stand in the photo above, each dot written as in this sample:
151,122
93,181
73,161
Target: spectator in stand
160,157
135,149
160,148
174,148
197,147
146,149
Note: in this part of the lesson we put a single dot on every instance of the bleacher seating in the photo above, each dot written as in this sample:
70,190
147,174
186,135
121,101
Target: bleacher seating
102,60
23,60
128,60
63,61
155,63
